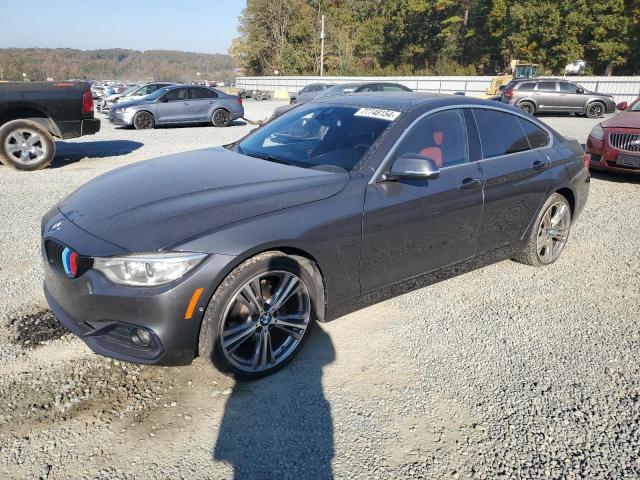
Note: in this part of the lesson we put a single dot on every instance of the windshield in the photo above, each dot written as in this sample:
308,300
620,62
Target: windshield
326,137
130,89
635,106
335,90
157,94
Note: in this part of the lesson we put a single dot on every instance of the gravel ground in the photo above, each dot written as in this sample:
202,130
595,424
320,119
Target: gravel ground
506,371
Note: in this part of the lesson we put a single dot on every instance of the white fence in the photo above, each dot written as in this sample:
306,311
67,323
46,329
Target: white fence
622,88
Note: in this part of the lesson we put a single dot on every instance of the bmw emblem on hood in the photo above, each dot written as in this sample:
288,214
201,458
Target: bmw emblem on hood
56,226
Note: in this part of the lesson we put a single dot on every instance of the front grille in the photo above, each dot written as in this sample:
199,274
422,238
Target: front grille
54,250
628,142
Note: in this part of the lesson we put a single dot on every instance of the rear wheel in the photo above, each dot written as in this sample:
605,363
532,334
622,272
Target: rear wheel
549,234
528,107
220,118
293,101
260,316
26,145
595,110
143,121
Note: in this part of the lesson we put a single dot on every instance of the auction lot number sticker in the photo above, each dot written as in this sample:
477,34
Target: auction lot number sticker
380,113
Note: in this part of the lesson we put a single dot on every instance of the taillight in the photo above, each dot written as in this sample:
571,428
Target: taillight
508,93
239,100
87,102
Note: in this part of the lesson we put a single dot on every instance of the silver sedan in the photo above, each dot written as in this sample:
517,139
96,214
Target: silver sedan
178,104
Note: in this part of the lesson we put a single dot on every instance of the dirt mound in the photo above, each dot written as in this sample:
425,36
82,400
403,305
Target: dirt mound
29,330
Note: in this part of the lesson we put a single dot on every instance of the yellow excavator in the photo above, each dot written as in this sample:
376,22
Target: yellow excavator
517,69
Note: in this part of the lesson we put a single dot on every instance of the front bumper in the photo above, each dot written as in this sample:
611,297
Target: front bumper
603,156
120,118
106,315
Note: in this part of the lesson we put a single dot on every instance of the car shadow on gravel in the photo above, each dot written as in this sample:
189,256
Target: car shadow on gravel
281,426
30,330
615,177
71,152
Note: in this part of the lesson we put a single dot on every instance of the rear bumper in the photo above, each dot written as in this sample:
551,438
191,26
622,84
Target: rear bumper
78,128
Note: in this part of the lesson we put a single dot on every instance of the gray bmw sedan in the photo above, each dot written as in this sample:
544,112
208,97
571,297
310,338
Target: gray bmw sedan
233,253
178,104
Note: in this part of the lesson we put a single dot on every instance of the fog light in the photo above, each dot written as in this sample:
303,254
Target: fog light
141,337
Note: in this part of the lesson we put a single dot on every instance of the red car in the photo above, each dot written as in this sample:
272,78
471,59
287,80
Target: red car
615,143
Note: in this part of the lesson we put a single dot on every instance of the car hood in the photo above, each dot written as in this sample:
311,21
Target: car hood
626,119
157,203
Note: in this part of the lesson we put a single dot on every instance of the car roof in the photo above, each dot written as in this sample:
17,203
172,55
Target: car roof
401,101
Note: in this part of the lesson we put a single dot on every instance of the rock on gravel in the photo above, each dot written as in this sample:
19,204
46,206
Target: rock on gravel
503,372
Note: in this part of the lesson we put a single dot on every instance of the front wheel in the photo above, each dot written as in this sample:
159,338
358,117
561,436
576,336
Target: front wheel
26,145
143,121
549,234
260,316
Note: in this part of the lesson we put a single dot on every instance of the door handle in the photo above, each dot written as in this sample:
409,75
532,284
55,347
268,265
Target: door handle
469,183
540,165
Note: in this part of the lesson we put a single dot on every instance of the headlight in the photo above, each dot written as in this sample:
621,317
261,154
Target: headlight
597,132
150,269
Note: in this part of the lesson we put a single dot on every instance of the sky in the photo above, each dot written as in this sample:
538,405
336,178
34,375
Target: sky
205,26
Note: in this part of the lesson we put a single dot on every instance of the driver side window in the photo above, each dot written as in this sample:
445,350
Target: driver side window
176,94
442,137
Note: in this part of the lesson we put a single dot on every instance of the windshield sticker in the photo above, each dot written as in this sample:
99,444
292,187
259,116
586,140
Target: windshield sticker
377,113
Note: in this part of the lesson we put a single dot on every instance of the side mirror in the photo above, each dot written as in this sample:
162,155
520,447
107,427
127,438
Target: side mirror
580,90
622,106
413,166
163,100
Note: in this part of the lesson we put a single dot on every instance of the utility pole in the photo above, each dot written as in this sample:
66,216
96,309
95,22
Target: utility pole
322,47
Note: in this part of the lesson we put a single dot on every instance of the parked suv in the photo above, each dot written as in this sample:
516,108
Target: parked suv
555,95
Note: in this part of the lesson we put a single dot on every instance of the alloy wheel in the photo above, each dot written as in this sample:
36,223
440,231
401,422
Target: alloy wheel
595,110
25,146
265,321
553,232
220,118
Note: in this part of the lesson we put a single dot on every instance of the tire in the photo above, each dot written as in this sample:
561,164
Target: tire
595,110
26,145
244,325
220,118
528,107
143,121
543,247
293,101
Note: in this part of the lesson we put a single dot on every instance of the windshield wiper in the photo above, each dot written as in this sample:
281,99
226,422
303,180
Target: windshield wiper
269,158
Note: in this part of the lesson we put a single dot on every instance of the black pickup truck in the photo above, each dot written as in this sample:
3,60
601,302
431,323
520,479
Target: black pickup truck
33,113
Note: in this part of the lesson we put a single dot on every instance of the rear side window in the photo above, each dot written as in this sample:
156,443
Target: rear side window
198,93
547,86
500,133
527,87
393,88
442,137
537,137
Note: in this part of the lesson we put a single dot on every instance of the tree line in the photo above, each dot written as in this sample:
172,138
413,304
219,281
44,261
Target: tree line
111,64
441,37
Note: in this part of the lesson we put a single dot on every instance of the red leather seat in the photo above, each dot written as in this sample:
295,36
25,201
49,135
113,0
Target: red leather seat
434,153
